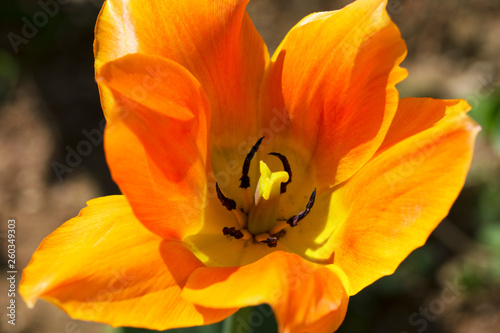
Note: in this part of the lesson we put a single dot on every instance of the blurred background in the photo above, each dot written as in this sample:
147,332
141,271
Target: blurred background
49,103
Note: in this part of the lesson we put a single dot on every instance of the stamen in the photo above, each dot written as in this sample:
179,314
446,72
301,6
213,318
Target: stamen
280,234
241,217
247,200
287,168
279,226
230,204
262,237
246,234
292,221
232,232
272,241
245,180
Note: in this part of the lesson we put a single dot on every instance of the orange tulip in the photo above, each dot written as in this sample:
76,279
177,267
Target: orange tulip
345,182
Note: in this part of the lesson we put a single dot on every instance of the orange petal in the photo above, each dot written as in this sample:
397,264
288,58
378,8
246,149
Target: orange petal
214,40
392,204
303,295
332,80
424,114
105,266
156,140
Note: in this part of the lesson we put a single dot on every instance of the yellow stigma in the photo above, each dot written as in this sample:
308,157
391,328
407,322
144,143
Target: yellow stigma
264,213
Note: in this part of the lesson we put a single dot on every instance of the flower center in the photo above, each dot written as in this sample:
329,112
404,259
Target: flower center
258,217
264,213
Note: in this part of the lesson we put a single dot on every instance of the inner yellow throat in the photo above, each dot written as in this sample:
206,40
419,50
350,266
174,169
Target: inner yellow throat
258,216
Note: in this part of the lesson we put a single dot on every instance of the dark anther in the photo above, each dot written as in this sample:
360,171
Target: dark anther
292,221
287,168
245,180
271,241
280,233
232,232
228,231
230,204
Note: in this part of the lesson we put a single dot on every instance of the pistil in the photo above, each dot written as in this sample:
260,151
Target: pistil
264,213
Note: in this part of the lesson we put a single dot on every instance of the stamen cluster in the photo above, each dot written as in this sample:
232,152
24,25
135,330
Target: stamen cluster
244,215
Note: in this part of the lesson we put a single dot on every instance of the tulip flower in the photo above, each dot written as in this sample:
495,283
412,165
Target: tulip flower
294,180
